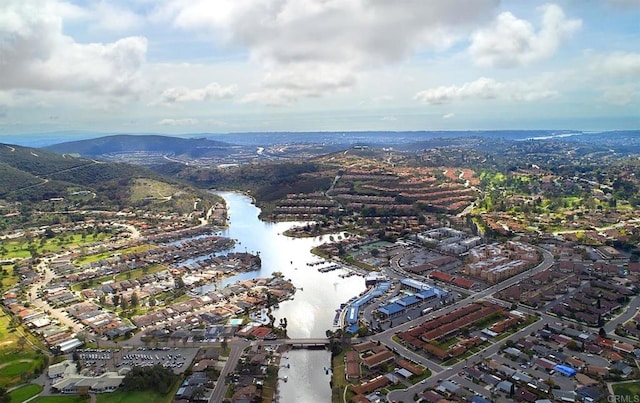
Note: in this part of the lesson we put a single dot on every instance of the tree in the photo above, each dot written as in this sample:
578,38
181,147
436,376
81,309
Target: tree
4,395
123,304
134,299
115,299
602,332
21,342
155,378
573,345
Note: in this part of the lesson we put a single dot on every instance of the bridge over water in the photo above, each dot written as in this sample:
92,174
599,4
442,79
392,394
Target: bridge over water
298,343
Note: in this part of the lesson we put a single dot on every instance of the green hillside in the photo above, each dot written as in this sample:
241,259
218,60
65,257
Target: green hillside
41,181
38,161
13,178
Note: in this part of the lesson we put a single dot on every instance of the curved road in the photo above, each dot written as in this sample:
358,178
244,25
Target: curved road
443,373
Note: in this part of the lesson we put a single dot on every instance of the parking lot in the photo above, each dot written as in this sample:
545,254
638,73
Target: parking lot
99,361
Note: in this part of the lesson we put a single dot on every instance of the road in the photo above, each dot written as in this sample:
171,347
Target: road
629,312
449,372
37,302
444,373
237,346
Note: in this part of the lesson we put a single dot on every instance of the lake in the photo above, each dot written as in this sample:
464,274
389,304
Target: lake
310,314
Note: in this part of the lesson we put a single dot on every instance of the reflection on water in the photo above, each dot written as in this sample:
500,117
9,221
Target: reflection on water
307,377
310,314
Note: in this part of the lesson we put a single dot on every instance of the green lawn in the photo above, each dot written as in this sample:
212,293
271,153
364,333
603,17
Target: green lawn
338,378
20,248
24,393
8,280
426,374
121,396
630,390
16,364
448,343
61,399
16,368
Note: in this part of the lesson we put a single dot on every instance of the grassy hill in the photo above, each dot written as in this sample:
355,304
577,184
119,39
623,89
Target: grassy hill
13,178
41,180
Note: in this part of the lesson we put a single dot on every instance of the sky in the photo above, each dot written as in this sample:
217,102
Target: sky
218,66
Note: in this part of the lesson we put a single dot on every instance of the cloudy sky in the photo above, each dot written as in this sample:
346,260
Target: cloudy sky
188,66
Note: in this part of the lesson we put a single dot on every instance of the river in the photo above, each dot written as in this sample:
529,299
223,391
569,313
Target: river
310,314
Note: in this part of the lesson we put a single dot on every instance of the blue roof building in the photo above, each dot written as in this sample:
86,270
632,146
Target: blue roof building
352,315
427,294
391,309
565,370
417,286
408,301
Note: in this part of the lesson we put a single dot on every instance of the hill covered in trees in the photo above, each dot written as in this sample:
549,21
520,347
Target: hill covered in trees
119,146
38,180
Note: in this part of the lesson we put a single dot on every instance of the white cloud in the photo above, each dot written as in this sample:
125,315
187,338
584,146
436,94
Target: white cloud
448,115
618,64
511,41
619,95
178,122
301,80
616,75
184,94
309,48
110,17
485,88
36,54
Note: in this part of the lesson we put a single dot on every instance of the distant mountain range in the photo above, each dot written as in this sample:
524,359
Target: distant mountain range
153,149
127,143
270,138
204,145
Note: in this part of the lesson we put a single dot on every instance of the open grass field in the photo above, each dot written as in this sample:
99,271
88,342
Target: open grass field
17,364
7,279
17,367
21,394
145,188
157,195
8,337
61,399
21,248
630,391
